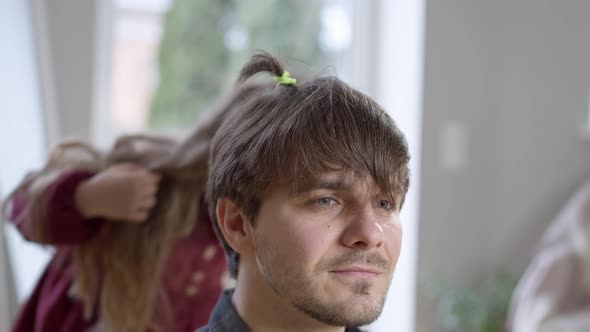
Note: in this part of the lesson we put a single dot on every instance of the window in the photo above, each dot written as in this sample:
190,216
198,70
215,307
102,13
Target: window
173,58
21,125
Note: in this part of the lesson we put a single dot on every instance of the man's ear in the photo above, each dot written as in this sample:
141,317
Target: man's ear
233,225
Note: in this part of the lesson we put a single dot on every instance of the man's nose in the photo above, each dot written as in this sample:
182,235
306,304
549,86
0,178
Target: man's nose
363,230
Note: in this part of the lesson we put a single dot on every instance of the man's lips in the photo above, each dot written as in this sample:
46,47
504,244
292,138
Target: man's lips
357,271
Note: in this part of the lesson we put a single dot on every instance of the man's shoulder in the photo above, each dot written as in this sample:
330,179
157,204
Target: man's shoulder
207,328
224,317
222,326
353,329
203,329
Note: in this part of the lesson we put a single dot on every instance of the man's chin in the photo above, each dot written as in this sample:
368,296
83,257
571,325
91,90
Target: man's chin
348,290
359,311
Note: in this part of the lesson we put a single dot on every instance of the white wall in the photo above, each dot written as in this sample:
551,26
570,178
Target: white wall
67,39
512,76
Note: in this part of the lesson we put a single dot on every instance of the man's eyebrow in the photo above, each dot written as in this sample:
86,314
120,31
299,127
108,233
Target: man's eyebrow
335,185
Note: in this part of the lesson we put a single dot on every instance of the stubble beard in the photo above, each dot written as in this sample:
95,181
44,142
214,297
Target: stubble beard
288,283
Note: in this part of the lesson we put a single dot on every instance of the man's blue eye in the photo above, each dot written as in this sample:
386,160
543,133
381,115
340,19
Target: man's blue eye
384,204
325,201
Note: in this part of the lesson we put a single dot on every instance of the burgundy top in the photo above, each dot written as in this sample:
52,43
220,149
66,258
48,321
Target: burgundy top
191,278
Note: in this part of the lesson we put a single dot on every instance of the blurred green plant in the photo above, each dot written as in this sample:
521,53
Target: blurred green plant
480,308
205,43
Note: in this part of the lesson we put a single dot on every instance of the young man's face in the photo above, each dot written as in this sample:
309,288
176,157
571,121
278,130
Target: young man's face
330,250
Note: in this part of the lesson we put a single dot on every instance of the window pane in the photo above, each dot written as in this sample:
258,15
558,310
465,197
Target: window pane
173,58
22,144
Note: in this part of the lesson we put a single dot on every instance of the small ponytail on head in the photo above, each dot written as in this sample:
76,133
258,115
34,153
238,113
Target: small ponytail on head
262,62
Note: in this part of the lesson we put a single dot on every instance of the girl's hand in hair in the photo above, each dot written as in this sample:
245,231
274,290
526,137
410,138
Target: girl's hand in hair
121,192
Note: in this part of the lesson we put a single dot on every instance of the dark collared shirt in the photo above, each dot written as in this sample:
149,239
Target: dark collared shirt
225,317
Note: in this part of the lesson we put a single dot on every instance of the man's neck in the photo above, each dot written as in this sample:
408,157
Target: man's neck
263,310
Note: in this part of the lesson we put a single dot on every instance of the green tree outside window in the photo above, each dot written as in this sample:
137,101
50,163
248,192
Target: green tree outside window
205,42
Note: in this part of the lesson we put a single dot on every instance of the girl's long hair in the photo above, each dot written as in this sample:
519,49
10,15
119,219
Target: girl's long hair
118,273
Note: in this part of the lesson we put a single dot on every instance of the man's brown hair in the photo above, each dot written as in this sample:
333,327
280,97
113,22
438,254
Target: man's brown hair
293,134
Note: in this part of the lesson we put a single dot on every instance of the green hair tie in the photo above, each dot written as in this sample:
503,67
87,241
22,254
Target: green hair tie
285,79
